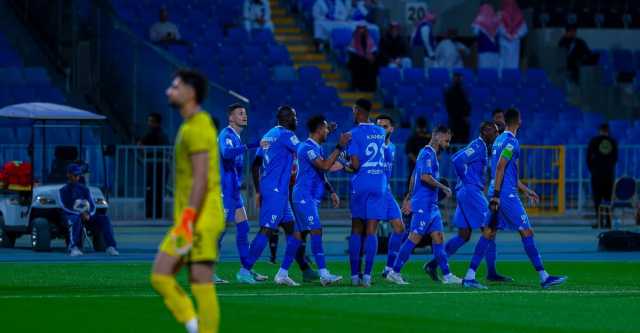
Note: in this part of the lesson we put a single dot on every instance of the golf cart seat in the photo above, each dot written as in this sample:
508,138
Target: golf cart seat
63,156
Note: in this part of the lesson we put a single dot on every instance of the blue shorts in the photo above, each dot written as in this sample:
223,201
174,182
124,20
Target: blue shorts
231,202
275,209
307,217
511,214
368,205
425,222
472,209
393,210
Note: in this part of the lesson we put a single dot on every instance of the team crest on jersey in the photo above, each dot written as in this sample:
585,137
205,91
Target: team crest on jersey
229,142
469,151
509,147
311,154
429,163
294,140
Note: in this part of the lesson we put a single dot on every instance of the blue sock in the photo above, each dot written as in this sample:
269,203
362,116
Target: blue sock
441,257
395,241
490,257
479,253
355,242
370,251
290,252
255,250
453,245
532,252
403,255
224,232
318,251
242,241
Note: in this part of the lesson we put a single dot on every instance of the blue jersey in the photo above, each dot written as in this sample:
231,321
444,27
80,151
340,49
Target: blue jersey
278,149
310,180
506,146
423,195
231,160
470,164
389,159
367,141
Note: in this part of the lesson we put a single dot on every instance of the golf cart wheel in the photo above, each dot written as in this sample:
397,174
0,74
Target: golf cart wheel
7,239
41,235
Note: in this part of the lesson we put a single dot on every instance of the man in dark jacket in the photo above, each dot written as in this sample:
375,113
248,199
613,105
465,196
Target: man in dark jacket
394,48
79,208
459,110
155,166
602,156
578,53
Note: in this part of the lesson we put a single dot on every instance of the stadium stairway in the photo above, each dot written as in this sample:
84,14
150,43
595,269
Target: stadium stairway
303,53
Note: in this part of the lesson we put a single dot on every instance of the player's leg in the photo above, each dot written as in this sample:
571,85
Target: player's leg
488,235
394,216
491,258
75,234
355,245
242,240
437,245
370,250
273,246
294,238
417,230
203,290
102,223
165,267
308,274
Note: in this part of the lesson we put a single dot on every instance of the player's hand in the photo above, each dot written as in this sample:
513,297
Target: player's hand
532,196
258,200
183,233
335,199
344,139
494,204
406,206
332,126
337,166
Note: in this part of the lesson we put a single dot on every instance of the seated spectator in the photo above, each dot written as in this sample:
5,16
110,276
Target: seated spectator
424,39
485,27
79,210
327,15
362,60
449,52
164,31
578,52
257,15
394,48
459,110
511,30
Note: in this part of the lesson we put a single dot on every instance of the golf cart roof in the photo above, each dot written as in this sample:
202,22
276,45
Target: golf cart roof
47,111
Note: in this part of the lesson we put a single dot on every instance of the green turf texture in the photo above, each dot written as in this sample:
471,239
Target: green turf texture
42,297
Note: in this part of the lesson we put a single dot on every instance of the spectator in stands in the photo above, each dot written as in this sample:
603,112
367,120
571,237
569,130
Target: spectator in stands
79,210
394,48
164,31
362,60
155,166
424,39
578,52
449,52
257,15
602,156
485,27
511,30
327,15
416,141
459,109
498,118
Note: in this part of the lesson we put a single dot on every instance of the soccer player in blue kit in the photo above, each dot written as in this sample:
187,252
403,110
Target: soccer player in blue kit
277,148
232,152
368,187
470,164
423,199
311,182
507,211
393,215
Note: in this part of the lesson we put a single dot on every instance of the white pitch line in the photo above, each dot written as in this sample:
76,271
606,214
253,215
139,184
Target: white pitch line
400,293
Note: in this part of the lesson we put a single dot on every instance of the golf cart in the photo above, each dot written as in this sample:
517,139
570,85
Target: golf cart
29,190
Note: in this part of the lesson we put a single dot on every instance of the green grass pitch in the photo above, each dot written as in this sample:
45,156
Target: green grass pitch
116,297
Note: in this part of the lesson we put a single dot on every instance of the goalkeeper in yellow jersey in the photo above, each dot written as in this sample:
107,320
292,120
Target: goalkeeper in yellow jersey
198,212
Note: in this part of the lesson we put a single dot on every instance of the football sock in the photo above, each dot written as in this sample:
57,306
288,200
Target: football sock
318,251
273,246
208,308
453,245
395,241
479,253
355,242
490,257
255,250
441,256
176,300
532,252
370,249
403,255
293,244
242,241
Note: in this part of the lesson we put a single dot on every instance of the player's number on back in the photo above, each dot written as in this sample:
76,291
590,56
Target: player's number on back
374,156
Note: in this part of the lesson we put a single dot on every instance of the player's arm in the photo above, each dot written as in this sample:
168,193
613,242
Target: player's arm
200,171
429,180
255,175
228,150
531,194
460,160
406,203
325,165
334,196
505,157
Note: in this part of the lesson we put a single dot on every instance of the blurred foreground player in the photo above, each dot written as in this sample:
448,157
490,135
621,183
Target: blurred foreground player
198,211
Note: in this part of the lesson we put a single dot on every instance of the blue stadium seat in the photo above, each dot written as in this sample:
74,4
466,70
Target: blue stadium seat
406,95
11,76
440,77
340,38
390,77
511,77
536,78
488,76
480,96
467,74
36,75
284,73
623,60
431,96
252,54
237,36
278,55
505,97
310,75
415,76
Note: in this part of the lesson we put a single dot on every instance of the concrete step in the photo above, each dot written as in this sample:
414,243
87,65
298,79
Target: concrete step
351,95
331,76
300,48
294,39
324,66
303,57
283,20
277,11
288,30
340,85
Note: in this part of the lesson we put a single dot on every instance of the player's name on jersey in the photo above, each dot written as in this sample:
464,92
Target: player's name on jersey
376,136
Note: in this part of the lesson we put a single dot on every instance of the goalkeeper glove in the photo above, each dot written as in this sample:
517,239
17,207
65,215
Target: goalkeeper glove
183,233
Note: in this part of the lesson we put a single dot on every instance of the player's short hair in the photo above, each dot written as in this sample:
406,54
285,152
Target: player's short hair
284,112
364,104
487,124
421,122
157,117
386,117
195,80
233,107
496,111
315,122
511,116
604,127
442,129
